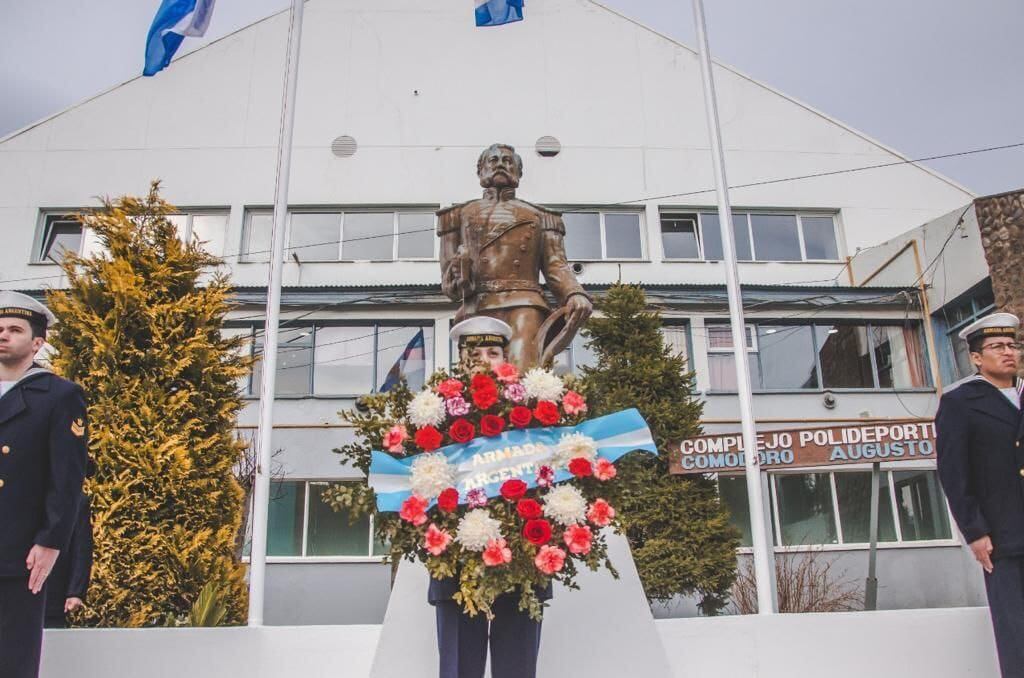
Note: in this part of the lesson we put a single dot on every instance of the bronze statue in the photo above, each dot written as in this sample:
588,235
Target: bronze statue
493,251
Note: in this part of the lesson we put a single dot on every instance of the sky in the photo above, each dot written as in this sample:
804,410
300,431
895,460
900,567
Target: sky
925,77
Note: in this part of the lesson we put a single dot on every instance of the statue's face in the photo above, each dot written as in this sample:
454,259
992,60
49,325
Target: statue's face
499,169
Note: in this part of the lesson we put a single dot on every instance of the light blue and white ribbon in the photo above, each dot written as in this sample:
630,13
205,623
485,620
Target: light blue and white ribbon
487,463
173,21
498,12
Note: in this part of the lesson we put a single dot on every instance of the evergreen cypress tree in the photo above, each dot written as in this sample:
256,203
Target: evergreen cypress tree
678,531
142,336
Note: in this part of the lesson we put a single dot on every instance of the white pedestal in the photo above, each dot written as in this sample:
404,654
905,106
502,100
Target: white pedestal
604,630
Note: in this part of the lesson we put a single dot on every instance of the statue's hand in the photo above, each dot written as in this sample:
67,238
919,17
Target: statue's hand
578,309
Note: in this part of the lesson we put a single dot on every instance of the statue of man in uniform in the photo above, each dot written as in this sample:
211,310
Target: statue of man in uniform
493,251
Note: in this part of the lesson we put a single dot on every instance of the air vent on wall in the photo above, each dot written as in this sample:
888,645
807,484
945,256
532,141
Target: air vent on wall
344,147
548,147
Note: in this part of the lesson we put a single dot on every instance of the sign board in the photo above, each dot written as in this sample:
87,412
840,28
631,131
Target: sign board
799,448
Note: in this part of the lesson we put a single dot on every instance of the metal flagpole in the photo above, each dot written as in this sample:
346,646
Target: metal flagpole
261,484
763,570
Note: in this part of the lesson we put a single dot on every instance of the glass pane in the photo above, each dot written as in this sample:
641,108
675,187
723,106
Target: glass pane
722,367
180,222
899,357
404,352
581,355
284,520
732,492
294,361
805,509
711,232
416,235
582,235
844,358
622,232
720,336
368,236
208,231
820,238
921,507
679,236
854,490
562,363
61,237
787,356
314,236
675,338
344,360
961,357
330,532
245,350
775,237
256,243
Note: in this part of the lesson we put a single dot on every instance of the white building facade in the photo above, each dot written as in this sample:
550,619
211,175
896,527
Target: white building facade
395,101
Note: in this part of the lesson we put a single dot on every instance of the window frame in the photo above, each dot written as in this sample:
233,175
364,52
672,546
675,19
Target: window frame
190,214
698,236
601,213
748,214
47,218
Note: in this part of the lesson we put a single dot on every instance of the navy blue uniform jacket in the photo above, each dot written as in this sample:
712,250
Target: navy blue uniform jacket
42,463
981,464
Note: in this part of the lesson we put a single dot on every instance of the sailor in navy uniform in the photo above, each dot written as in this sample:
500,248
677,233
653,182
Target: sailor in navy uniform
42,464
981,465
513,636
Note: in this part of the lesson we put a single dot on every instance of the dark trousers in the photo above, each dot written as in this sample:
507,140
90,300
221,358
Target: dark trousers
1005,588
21,628
462,641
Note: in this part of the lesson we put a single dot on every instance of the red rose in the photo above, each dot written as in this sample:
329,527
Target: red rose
513,489
537,531
481,382
520,416
448,500
529,509
547,413
581,468
491,424
461,431
485,397
428,438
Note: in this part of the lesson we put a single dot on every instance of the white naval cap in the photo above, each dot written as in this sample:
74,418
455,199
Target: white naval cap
992,325
18,305
481,330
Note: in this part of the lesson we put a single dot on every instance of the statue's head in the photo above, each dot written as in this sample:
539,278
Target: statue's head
499,166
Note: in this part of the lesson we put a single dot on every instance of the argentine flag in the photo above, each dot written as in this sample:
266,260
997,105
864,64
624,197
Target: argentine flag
173,21
498,12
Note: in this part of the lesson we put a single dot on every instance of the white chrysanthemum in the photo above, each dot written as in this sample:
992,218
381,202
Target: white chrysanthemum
572,446
426,409
476,529
543,384
431,474
565,505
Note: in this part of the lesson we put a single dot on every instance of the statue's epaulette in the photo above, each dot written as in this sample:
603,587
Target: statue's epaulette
448,218
454,206
540,208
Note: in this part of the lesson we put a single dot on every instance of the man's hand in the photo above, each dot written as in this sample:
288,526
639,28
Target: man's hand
982,550
578,309
40,563
72,604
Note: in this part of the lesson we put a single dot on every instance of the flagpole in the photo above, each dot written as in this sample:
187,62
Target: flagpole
261,484
763,570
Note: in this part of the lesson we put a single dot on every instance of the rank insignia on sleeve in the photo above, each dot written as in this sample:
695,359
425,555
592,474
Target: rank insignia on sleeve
78,427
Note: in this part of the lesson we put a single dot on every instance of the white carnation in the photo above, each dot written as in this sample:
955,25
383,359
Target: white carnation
565,505
426,409
476,529
543,385
431,474
572,446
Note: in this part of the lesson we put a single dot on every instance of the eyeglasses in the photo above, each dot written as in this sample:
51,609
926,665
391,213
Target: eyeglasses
1002,348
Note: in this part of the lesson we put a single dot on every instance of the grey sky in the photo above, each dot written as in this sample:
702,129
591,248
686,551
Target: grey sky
926,77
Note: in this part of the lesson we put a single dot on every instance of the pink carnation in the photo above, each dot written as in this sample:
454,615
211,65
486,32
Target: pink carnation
394,438
506,373
457,406
414,510
476,497
449,388
515,392
550,559
604,470
573,403
545,476
436,540
497,552
600,513
577,538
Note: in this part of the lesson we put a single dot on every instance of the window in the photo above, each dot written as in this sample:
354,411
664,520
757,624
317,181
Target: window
59,235
300,524
594,235
958,316
205,229
834,507
679,236
575,357
768,237
344,360
796,357
337,235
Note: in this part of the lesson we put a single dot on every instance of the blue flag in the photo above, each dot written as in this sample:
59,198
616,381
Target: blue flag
498,12
412,364
173,21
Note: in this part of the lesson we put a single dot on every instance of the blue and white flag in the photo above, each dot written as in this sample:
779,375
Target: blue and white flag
412,365
486,463
173,21
498,12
